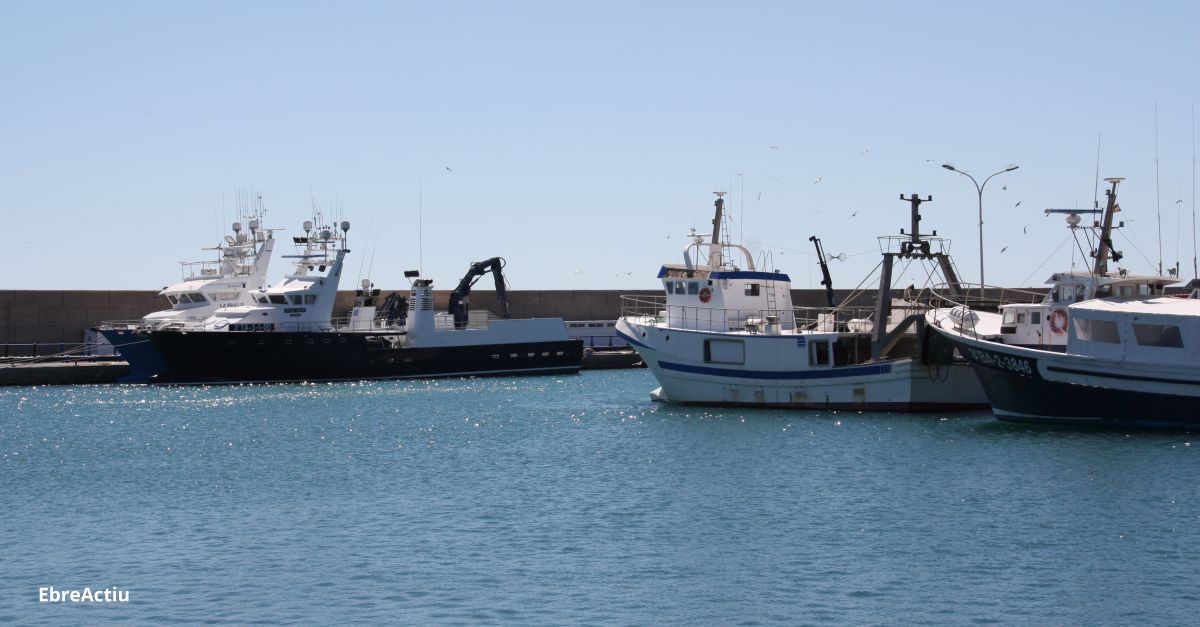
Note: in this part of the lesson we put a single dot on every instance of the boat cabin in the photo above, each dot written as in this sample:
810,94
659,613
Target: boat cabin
1045,325
1154,330
718,288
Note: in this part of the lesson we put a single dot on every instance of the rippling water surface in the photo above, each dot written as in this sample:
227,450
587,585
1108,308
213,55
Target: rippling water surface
576,500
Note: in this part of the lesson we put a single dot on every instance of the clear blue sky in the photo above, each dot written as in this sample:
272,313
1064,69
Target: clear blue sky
581,135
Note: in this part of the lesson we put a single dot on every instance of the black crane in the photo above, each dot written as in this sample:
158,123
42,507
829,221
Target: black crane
825,279
460,298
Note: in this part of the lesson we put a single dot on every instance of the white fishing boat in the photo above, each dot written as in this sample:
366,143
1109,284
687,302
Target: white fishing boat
726,333
208,286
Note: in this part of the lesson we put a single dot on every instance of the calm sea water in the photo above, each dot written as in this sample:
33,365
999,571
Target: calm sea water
576,500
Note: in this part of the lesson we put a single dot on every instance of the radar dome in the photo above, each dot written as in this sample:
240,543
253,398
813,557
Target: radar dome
345,225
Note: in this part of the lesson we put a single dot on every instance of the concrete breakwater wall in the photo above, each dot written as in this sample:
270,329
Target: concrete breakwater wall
61,316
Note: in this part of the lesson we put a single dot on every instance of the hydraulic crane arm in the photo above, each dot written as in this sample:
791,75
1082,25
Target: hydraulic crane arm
460,297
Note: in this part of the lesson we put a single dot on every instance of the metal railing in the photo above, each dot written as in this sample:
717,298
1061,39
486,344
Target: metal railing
700,318
51,351
856,319
940,295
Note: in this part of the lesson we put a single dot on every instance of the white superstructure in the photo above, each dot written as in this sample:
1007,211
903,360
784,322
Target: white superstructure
1046,324
240,268
304,299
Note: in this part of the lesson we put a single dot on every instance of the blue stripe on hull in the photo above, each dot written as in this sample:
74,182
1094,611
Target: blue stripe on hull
632,341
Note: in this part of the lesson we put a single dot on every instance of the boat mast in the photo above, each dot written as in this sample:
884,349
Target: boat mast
1105,248
714,246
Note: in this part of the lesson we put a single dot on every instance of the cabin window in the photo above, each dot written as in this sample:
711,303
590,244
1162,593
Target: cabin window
262,299
1125,290
693,288
228,295
1164,335
724,352
1009,316
297,299
752,289
1035,317
171,297
1096,330
818,354
278,299
1145,289
1021,318
310,299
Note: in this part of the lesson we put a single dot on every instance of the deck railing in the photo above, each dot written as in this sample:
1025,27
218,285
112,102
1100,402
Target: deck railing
840,319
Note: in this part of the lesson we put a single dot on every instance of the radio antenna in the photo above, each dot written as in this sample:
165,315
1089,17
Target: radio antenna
1157,199
420,226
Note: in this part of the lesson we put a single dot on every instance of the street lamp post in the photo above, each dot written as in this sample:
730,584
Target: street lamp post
979,190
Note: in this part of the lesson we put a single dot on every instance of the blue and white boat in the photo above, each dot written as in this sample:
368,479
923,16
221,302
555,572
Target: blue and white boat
726,333
1123,354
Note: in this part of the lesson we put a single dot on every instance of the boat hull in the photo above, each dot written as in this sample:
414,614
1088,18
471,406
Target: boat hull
774,376
138,351
1034,386
235,357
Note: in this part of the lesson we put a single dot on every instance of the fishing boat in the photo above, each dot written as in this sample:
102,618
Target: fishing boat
288,334
1131,356
240,267
1129,362
726,333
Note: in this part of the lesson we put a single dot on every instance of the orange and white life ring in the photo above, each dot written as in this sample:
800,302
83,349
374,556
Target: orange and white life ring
1058,321
705,295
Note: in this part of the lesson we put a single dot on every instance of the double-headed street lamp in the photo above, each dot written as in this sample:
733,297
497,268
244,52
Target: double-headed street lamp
979,189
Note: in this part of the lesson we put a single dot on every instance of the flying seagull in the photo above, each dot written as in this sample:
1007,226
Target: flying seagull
774,147
1003,249
1018,204
853,214
449,170
818,180
1026,229
1004,187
